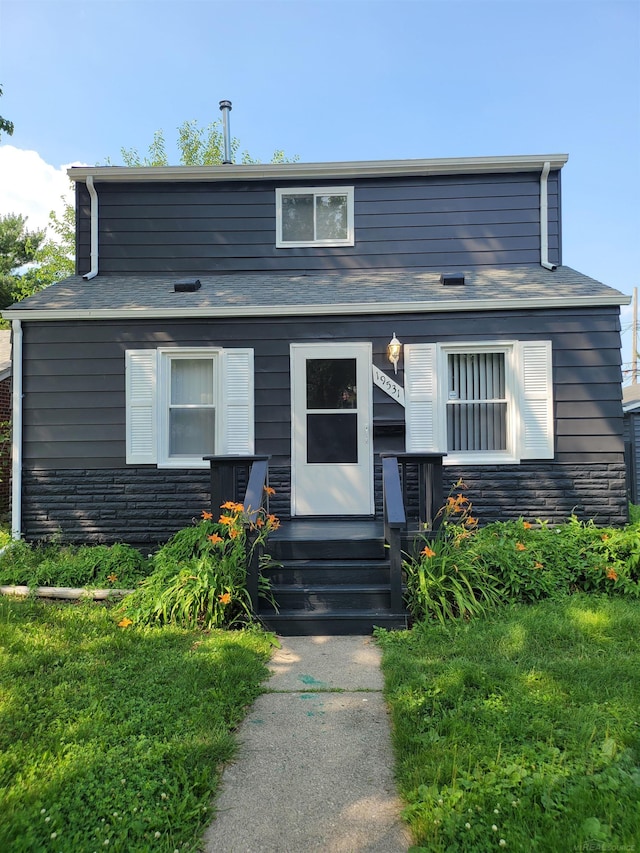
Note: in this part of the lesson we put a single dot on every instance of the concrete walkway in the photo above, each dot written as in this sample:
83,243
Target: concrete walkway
314,773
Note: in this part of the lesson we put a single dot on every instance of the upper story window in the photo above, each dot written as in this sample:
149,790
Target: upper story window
314,216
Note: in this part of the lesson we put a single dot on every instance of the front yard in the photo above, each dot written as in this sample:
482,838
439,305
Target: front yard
520,730
113,737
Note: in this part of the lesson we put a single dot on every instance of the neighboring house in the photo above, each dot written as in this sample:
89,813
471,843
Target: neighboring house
631,409
300,276
5,422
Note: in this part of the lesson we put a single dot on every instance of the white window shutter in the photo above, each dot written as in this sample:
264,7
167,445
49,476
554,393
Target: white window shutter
141,417
421,398
238,401
536,409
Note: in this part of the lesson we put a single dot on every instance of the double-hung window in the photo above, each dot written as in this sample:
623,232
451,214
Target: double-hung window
186,403
190,391
480,403
314,216
478,408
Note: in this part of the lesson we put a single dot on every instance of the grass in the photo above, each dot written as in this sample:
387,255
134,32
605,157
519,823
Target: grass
520,730
111,737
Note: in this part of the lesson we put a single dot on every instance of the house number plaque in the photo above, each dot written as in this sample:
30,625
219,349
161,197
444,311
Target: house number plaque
382,380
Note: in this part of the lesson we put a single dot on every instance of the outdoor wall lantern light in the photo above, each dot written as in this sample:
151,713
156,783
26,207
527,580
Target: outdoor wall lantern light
394,351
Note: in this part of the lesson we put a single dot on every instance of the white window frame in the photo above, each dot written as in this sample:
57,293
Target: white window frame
165,357
147,390
529,393
349,240
484,457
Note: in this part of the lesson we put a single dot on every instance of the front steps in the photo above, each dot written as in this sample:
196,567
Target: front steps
333,578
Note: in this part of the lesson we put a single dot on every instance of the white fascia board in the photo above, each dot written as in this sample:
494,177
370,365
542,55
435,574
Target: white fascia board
289,310
311,171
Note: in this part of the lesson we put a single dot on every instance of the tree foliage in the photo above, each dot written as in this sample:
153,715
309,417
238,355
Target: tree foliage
6,126
18,246
29,261
198,146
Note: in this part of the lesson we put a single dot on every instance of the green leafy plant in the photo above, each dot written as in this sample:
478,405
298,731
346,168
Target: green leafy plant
445,579
105,566
200,576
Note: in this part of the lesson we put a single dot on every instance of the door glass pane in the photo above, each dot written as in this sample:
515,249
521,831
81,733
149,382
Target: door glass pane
332,438
297,218
192,381
192,432
331,217
331,383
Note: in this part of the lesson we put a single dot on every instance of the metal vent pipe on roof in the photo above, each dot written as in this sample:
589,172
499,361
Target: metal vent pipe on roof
225,109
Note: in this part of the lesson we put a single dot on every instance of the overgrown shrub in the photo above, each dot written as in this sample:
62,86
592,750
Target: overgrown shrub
199,577
446,579
464,568
107,566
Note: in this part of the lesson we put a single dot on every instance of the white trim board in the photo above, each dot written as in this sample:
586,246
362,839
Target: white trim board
146,313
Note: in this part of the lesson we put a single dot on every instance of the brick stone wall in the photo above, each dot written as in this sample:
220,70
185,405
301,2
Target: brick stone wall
145,506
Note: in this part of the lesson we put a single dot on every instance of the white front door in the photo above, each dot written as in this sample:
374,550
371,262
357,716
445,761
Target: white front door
332,459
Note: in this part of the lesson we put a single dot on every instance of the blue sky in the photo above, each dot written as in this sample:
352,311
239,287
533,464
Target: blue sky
351,80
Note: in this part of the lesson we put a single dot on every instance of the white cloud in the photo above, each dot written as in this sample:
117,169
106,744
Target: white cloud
31,187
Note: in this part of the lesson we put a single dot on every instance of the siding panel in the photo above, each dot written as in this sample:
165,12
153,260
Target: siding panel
427,222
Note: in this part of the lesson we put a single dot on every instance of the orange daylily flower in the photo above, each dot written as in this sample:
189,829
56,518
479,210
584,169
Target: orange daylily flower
226,519
526,525
215,538
236,507
234,532
269,491
259,522
612,575
538,565
471,522
124,623
428,552
207,516
225,598
112,578
604,537
520,546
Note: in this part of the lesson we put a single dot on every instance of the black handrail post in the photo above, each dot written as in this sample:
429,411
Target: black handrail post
394,522
225,487
253,568
436,493
395,579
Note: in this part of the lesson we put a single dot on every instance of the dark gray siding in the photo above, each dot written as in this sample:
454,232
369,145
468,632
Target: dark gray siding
74,410
632,451
454,221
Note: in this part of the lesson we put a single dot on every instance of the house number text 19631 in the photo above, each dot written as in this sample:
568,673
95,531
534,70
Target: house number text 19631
382,380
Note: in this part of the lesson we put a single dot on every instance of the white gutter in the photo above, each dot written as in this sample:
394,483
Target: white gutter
16,444
325,309
544,219
325,171
93,272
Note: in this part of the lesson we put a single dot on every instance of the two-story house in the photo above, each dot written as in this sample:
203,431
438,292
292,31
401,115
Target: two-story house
248,310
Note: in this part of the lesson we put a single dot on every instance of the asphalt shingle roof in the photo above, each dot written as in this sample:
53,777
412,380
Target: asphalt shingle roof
231,293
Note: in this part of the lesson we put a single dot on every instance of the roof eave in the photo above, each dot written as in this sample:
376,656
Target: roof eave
311,171
289,310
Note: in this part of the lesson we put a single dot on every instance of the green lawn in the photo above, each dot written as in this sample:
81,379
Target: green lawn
113,737
520,731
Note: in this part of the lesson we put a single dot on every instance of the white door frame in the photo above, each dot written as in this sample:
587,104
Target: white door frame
334,488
